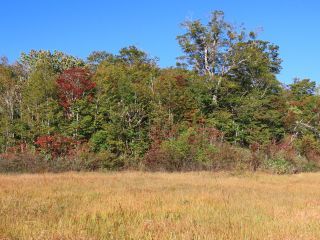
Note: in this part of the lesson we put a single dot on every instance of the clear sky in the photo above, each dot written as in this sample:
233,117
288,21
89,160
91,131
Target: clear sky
79,27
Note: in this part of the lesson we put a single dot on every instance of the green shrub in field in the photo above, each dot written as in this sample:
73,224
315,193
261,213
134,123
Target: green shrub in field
191,149
229,157
310,167
280,165
187,151
26,162
98,141
304,165
196,149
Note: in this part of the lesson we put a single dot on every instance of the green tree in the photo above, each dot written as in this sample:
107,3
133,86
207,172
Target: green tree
40,110
58,61
221,51
123,102
303,109
10,88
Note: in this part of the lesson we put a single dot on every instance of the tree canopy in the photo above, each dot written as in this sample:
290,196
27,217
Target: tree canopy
222,106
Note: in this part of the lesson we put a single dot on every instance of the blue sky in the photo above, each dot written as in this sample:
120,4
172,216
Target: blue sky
79,27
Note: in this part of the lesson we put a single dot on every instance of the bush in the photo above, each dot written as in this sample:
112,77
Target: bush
279,165
98,141
189,150
22,162
55,145
195,149
308,146
88,160
309,167
229,157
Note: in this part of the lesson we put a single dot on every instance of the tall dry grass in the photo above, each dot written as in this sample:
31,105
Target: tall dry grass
134,205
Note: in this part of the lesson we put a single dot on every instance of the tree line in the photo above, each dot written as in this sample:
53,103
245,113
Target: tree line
220,107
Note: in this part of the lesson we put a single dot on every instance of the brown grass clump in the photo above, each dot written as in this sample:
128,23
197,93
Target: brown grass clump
135,205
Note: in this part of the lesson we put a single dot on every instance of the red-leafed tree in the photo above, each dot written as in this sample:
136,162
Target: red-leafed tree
55,145
74,84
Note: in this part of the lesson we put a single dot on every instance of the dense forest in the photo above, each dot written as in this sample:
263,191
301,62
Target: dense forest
220,108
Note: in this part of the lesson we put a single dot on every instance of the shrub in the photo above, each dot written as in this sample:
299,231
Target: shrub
280,165
308,146
230,157
87,160
195,149
22,162
55,145
98,141
309,167
185,151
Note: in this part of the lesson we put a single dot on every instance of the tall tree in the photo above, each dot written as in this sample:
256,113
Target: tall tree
39,108
75,91
10,88
214,50
123,104
59,61
303,109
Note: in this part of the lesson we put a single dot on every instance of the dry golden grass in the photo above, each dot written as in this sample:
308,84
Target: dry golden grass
134,205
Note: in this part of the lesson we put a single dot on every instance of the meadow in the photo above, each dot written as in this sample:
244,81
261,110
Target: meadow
137,205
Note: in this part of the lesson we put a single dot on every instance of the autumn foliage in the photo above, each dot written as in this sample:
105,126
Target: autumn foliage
74,84
220,108
55,145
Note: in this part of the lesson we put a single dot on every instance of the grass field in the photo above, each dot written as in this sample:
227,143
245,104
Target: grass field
134,205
